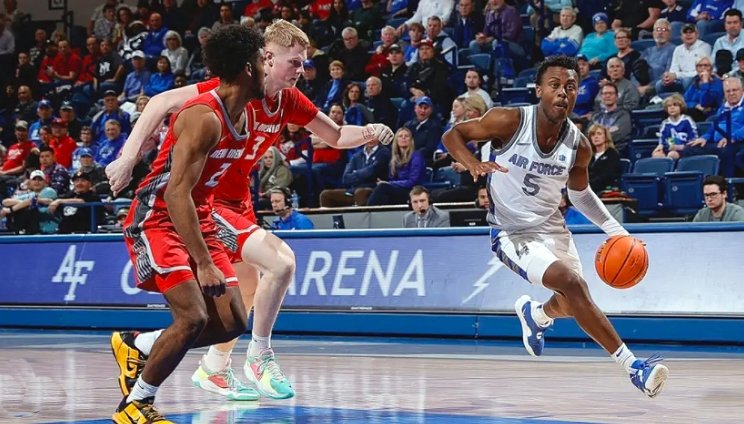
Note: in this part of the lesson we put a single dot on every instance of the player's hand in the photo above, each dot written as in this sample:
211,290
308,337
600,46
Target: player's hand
119,173
381,132
211,280
483,168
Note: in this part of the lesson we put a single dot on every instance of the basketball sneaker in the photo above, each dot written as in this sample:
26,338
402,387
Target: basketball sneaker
223,383
532,332
264,372
130,360
138,412
649,376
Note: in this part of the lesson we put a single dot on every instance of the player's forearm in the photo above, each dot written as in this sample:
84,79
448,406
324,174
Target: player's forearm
186,222
351,136
592,207
457,147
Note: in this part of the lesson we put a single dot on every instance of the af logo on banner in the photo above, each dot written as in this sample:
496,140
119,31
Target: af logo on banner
72,272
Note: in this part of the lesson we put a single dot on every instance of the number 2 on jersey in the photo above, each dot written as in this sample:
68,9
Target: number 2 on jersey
214,180
531,186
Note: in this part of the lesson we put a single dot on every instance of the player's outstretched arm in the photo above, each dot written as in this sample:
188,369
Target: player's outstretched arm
584,199
197,130
119,172
348,136
497,123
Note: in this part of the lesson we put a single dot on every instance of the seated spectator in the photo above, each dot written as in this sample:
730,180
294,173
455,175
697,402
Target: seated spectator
703,95
153,44
627,92
426,130
104,26
468,22
588,90
424,214
599,45
427,9
639,16
717,208
482,201
333,90
352,53
86,144
195,68
287,217
124,17
659,56
109,147
134,39
428,77
368,18
473,84
472,108
77,219
676,131
111,110
379,103
55,174
62,143
728,44
416,34
139,106
543,19
45,136
13,166
708,15
394,76
682,69
502,25
136,80
109,69
634,67
444,46
160,81
27,212
566,38
69,116
25,73
366,167
407,169
339,17
357,112
379,59
26,108
613,117
675,13
45,114
66,68
225,18
178,56
320,60
273,174
97,173
604,169
739,71
310,84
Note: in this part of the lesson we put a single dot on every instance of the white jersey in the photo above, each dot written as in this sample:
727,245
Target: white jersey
526,198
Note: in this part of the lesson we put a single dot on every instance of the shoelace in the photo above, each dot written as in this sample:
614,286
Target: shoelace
269,364
140,365
229,375
149,411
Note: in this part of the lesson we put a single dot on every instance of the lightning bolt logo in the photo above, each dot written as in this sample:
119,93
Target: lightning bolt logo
482,282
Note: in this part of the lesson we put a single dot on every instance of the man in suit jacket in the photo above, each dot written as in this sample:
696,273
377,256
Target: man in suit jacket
424,215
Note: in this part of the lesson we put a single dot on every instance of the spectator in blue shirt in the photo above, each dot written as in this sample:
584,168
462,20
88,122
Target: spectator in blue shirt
110,110
136,80
108,149
288,218
407,169
588,90
677,130
599,46
708,15
704,94
161,80
45,112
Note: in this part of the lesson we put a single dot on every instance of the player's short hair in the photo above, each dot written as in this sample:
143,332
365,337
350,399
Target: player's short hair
229,49
560,61
285,34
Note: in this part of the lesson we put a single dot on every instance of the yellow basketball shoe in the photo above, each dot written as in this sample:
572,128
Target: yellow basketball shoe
131,360
138,412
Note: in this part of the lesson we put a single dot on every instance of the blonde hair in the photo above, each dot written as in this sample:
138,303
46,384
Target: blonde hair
608,137
678,99
400,158
285,34
476,103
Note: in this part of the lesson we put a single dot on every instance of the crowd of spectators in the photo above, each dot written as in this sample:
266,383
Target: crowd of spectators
69,103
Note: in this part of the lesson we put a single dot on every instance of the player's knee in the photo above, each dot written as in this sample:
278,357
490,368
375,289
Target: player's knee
575,287
284,267
195,322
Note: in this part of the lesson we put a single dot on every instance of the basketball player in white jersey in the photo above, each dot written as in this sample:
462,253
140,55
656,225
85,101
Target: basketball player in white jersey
534,153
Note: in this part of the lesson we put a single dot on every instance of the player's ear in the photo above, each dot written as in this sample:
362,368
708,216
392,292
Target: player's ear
538,91
269,58
249,69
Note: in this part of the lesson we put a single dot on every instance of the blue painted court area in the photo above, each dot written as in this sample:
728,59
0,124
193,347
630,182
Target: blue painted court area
306,415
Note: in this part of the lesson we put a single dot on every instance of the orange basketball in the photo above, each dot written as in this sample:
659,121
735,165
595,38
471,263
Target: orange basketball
621,261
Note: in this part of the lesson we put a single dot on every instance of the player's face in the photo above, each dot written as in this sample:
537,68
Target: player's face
420,203
557,92
284,65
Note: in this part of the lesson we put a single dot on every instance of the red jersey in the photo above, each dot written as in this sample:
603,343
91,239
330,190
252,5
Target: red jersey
268,117
63,148
17,153
228,150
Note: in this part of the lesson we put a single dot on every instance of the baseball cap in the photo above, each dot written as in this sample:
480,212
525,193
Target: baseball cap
600,17
582,56
83,175
308,63
110,93
424,100
689,27
395,48
37,174
138,53
66,105
740,54
21,124
122,212
426,42
44,103
84,151
59,122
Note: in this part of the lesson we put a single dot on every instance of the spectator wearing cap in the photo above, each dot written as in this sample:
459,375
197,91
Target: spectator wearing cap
468,22
379,103
62,143
502,25
708,15
85,141
27,212
153,44
45,115
56,175
74,219
393,76
565,38
332,91
25,110
729,43
17,153
309,84
109,69
136,80
96,171
588,90
739,71
599,45
176,53
67,113
352,53
659,56
110,111
425,128
428,77
682,69
379,59
109,147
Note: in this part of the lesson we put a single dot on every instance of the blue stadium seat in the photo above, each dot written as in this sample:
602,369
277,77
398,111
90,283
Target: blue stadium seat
482,61
429,182
642,148
712,37
448,175
641,45
645,184
704,164
657,166
651,131
596,73
703,127
516,95
643,118
462,57
522,82
529,72
397,102
624,166
683,192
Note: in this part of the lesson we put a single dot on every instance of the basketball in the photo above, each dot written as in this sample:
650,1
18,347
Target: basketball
621,261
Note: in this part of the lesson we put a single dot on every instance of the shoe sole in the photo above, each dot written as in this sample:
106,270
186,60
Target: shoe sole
227,394
252,378
658,379
116,342
518,305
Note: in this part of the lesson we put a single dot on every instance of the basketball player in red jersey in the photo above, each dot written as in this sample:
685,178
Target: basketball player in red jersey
254,248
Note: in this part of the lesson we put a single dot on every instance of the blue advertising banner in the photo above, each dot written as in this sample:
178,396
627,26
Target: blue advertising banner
690,273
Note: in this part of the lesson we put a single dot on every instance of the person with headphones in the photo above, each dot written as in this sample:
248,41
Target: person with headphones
287,217
424,214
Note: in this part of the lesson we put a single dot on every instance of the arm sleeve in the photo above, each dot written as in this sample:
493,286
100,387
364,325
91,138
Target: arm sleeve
589,204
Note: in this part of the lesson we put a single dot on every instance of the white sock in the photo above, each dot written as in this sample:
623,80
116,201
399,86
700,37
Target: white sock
624,357
258,344
141,390
216,360
144,341
538,313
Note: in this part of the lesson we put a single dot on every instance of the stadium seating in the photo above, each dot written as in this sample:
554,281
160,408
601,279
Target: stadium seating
645,184
625,165
447,174
683,188
643,118
641,148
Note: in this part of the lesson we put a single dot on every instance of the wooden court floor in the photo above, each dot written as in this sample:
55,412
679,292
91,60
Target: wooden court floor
71,377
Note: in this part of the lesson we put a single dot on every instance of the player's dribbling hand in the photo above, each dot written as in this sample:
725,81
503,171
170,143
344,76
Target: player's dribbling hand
381,132
119,173
211,280
483,168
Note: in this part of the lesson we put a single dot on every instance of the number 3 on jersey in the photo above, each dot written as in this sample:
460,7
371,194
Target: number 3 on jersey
531,187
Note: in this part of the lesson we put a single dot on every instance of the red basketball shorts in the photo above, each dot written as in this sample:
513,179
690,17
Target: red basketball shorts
234,228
